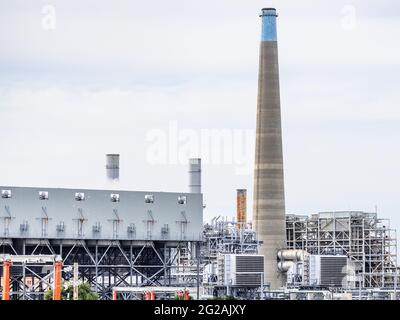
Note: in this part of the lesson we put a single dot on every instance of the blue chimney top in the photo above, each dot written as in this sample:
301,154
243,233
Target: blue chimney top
268,16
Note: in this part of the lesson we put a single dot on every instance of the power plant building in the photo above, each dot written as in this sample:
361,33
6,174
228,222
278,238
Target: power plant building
118,238
53,213
140,244
366,239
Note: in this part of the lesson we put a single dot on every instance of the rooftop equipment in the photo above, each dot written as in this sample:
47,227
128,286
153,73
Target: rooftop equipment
195,175
112,167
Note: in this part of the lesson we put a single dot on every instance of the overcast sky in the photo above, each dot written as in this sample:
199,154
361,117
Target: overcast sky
153,80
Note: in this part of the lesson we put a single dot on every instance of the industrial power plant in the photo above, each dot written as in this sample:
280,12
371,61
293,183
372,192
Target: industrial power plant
146,245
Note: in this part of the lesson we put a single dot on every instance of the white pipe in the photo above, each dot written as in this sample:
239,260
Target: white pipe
112,167
285,265
292,254
195,175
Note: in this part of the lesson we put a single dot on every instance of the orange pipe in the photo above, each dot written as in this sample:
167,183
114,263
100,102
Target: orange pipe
57,280
6,280
186,295
114,295
152,296
241,210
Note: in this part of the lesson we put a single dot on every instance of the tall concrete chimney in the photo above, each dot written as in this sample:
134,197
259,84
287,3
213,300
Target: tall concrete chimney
112,167
269,195
195,175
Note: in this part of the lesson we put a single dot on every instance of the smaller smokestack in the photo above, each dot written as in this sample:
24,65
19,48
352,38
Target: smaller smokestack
195,175
241,207
112,167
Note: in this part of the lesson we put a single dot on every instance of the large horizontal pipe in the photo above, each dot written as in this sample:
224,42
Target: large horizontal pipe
285,266
291,254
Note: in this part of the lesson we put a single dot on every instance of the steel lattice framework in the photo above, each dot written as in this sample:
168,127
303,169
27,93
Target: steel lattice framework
104,264
366,239
226,237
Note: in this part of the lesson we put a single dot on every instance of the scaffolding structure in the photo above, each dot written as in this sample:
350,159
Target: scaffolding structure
222,237
103,264
367,240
